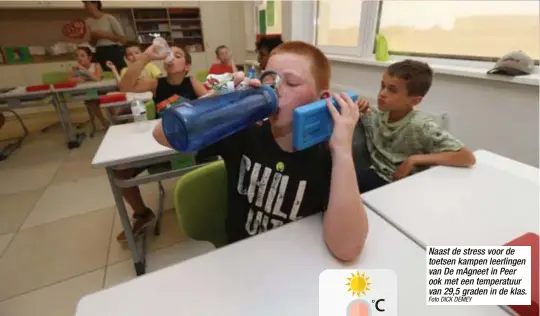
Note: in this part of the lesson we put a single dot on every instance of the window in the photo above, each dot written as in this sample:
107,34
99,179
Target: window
472,30
344,26
339,23
481,30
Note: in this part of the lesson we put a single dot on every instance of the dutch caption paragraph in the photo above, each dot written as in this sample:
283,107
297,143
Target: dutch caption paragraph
459,275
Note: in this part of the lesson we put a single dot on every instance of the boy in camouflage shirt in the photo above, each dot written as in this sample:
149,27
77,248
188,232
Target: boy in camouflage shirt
401,139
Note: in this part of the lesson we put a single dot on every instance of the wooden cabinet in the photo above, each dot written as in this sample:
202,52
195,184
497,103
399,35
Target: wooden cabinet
181,26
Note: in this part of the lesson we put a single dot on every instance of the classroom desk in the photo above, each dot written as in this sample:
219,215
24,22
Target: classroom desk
18,98
84,91
489,204
128,146
275,273
115,119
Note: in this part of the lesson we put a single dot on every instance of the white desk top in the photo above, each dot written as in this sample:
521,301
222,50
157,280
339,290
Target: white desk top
515,167
89,85
484,205
275,273
129,143
20,92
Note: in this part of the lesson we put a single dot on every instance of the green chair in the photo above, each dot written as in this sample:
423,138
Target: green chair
201,75
200,199
106,75
54,77
150,110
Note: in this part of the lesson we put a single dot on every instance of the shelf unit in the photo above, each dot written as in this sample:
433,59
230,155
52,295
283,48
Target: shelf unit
180,26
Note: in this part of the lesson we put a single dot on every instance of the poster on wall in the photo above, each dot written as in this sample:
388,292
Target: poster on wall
74,29
270,12
262,22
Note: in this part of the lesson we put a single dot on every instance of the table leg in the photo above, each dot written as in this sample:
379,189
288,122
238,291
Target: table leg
60,113
74,139
138,258
161,209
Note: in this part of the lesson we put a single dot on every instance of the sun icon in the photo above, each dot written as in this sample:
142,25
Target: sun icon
358,284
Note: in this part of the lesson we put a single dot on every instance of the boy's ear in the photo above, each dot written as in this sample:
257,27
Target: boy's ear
416,100
325,94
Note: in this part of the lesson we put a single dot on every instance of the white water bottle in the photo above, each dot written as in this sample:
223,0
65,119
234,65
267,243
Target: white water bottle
138,109
163,48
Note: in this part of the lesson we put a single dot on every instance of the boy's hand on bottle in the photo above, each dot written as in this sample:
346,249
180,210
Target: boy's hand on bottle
344,123
240,78
152,53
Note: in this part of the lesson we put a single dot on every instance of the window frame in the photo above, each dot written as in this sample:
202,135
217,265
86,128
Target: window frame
366,34
369,27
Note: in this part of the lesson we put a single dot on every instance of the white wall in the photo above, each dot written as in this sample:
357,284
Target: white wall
497,116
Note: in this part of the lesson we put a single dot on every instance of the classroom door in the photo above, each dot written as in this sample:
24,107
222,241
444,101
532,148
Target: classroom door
217,27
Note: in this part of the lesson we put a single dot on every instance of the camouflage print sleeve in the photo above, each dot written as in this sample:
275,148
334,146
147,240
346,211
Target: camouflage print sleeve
437,140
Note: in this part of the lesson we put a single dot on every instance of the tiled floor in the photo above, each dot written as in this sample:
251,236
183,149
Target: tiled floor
58,225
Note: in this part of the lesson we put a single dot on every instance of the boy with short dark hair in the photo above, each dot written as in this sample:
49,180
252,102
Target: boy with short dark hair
264,47
402,140
271,184
132,52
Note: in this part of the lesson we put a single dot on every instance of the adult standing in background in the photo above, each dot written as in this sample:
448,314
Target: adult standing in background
106,34
225,63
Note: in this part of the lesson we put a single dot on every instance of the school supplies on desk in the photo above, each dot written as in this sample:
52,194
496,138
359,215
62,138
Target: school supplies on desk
117,97
65,85
313,123
112,98
36,88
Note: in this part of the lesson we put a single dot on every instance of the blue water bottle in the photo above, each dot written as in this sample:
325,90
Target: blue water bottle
251,73
192,125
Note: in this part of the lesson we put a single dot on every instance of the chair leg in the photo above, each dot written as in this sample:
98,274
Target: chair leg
161,207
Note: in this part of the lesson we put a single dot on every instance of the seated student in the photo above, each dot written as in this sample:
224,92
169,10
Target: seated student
88,70
401,139
265,46
288,184
176,82
225,65
132,53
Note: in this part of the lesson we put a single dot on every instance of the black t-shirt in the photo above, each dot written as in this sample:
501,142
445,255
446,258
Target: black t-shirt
268,187
165,90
